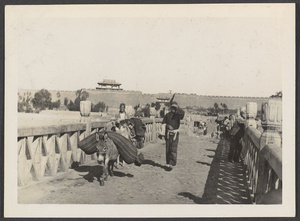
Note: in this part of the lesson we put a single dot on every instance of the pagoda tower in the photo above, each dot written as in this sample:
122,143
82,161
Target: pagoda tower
108,84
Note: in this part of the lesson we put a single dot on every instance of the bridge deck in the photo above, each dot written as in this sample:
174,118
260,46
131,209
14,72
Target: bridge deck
202,176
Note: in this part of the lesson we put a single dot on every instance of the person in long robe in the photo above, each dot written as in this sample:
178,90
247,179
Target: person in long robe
170,126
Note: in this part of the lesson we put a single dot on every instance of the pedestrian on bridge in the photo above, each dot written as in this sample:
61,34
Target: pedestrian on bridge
121,129
170,126
237,133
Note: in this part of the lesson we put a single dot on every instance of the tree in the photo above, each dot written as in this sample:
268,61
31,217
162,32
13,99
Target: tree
216,106
58,94
99,107
277,95
24,103
71,106
81,95
42,100
66,101
225,108
55,104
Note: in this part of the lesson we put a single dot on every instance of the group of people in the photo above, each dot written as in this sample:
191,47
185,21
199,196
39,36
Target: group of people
233,131
170,126
201,125
232,127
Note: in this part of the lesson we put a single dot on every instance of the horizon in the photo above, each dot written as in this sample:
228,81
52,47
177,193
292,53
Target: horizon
193,94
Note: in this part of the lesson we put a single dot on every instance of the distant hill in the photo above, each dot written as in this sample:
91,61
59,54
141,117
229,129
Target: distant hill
114,98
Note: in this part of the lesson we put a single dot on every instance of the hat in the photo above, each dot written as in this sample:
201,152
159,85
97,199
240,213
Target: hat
174,104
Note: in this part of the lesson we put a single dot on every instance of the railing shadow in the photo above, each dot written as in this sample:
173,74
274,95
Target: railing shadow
226,181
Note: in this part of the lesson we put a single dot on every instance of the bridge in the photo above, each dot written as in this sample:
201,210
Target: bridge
203,175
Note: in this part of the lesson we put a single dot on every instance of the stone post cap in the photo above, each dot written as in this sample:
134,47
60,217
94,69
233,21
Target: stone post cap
85,108
251,110
238,112
271,114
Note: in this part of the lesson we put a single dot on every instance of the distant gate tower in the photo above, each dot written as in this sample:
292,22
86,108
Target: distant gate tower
164,98
108,84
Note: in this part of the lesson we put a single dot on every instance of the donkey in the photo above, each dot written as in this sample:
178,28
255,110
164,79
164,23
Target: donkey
107,153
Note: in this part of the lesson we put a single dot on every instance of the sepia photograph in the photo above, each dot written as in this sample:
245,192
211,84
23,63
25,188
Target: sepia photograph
150,110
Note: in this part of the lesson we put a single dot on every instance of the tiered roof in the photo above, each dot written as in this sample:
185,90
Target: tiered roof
110,82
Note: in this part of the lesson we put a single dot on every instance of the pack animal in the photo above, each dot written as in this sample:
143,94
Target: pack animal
107,154
127,129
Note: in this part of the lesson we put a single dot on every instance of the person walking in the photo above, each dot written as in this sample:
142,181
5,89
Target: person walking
239,136
237,133
225,125
120,117
170,126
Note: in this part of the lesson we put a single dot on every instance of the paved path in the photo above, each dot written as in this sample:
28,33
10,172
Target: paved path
202,175
226,181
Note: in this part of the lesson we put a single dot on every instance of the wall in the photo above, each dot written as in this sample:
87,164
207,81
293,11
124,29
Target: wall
114,98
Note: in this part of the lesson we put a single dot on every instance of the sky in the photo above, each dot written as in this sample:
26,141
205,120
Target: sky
229,50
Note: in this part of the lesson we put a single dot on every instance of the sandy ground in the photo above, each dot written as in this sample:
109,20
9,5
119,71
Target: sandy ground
148,184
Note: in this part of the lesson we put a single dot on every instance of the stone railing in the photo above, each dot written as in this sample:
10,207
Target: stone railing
153,128
262,153
48,150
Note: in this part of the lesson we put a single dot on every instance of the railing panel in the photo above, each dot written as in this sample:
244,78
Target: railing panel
264,165
250,154
273,154
49,129
262,154
50,149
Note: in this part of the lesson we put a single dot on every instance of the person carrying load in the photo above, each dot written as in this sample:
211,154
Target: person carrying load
170,126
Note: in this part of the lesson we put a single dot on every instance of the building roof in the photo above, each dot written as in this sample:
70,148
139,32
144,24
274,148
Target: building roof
160,98
109,82
164,96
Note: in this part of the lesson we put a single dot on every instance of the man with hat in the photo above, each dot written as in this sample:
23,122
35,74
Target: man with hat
170,126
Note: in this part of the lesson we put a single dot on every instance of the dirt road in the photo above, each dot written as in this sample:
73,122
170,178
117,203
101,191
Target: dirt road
148,184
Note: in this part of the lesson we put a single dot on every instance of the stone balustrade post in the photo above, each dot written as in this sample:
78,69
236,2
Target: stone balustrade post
154,132
251,112
238,112
271,119
85,110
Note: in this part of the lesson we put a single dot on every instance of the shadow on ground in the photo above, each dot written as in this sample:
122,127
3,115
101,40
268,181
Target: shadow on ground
203,163
226,181
210,150
196,199
153,163
96,171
